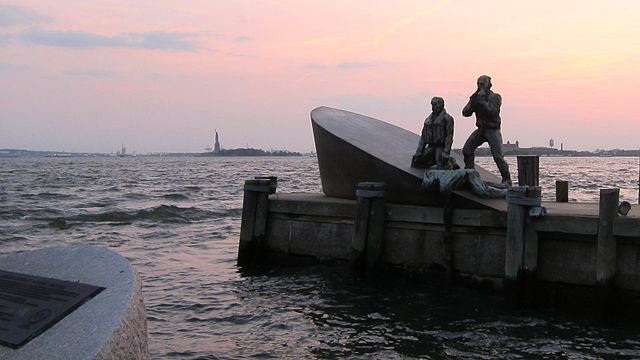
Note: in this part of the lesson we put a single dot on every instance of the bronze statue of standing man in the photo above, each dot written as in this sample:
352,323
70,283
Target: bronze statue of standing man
486,105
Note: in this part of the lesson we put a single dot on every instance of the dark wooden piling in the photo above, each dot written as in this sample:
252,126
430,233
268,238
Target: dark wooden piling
375,238
247,225
562,191
447,238
360,232
521,256
528,170
368,237
530,260
606,255
273,182
255,211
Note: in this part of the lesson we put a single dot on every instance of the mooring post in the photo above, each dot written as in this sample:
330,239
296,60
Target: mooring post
368,236
562,191
273,185
521,250
255,211
528,170
360,230
606,259
447,237
530,259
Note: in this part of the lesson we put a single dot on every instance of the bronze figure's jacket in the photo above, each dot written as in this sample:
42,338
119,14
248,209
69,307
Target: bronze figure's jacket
437,131
487,111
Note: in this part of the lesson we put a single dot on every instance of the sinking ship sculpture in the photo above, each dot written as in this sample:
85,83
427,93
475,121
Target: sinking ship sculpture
353,148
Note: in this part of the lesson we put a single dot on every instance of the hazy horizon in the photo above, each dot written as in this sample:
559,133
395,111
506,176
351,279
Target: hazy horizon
128,151
162,76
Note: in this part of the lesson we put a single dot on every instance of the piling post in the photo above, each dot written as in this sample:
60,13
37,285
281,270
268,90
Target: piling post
255,211
562,191
521,248
360,231
368,236
528,170
447,237
273,182
606,259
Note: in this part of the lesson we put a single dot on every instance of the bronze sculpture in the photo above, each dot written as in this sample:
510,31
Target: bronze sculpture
445,181
353,147
434,147
486,105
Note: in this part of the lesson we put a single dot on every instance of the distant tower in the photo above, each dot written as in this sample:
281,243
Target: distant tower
216,146
551,143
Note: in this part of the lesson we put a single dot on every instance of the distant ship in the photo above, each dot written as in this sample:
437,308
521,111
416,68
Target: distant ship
123,152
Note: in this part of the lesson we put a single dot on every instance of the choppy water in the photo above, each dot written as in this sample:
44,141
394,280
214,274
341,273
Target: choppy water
178,221
586,176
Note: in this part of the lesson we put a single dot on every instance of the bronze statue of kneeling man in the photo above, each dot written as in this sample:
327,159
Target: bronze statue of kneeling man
434,147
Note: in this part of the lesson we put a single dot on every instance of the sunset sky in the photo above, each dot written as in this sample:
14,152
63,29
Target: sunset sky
160,75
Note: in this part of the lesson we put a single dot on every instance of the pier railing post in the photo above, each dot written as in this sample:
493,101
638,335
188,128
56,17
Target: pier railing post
273,182
606,257
562,191
368,237
521,248
255,211
528,170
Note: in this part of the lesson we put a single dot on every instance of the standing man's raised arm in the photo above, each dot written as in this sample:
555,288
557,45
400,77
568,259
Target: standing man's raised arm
468,109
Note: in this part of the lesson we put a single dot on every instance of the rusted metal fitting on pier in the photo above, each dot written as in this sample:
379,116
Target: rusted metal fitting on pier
525,195
529,196
538,211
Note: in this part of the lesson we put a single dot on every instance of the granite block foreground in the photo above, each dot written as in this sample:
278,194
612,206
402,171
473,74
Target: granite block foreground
112,325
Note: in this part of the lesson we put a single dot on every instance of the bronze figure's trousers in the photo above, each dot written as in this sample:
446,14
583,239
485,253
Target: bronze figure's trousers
494,138
431,155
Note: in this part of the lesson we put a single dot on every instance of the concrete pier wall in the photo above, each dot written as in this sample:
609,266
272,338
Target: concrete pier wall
322,227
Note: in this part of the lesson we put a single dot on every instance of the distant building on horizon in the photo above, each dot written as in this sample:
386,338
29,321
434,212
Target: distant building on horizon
510,147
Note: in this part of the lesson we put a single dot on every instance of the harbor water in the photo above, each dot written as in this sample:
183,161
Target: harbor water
177,219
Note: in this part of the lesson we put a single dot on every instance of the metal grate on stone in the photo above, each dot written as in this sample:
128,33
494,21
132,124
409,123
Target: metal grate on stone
29,305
